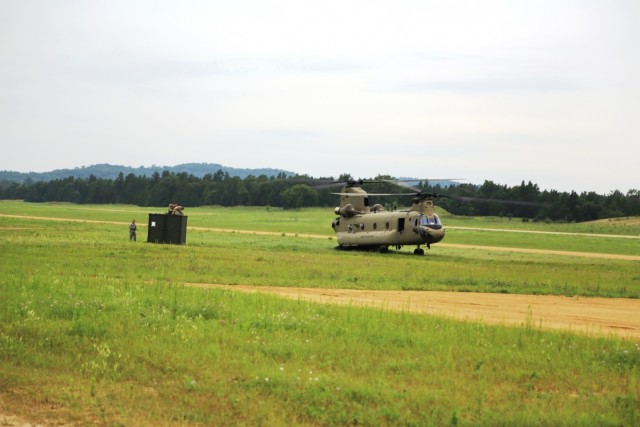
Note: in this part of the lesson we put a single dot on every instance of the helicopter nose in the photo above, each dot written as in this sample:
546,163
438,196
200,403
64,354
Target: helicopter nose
437,235
431,235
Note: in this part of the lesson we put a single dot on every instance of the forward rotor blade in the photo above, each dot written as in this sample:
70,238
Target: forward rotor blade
501,201
353,183
374,194
329,185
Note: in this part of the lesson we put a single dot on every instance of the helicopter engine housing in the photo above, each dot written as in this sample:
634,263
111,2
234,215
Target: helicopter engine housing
346,211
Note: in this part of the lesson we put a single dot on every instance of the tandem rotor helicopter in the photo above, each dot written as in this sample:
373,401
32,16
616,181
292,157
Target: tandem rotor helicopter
360,225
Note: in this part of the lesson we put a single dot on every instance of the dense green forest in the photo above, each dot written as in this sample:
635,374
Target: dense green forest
160,189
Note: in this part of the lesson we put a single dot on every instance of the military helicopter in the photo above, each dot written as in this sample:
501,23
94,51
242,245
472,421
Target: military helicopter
360,225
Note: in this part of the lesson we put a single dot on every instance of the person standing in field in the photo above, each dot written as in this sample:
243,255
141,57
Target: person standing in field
132,230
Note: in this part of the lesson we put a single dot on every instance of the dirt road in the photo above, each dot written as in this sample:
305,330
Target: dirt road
594,316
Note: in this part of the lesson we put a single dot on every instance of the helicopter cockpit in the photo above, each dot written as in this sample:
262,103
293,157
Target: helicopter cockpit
432,221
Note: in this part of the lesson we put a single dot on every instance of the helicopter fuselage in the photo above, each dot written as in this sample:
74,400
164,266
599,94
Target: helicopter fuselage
360,225
384,229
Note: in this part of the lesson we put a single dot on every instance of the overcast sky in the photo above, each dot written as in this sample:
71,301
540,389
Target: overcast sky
541,91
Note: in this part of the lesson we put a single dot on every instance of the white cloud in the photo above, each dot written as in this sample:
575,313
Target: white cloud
500,90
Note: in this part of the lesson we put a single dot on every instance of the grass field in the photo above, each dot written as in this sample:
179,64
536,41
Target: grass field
97,330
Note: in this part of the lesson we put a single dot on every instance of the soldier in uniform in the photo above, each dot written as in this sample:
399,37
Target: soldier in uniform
132,230
175,209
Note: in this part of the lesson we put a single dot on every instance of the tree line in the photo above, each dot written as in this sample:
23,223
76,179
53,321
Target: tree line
159,189
527,201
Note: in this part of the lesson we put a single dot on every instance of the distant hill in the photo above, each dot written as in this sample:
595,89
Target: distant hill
107,171
441,182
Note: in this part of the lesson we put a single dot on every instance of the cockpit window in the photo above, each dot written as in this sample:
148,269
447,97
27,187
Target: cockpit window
429,220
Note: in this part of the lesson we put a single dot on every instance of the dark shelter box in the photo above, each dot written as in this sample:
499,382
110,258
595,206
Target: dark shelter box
165,228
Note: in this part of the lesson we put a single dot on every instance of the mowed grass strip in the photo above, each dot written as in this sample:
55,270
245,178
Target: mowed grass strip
317,221
61,248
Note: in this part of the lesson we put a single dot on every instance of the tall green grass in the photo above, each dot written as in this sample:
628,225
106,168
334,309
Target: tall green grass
118,351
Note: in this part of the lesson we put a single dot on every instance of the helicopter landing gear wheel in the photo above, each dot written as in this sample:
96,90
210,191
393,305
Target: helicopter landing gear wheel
383,249
418,251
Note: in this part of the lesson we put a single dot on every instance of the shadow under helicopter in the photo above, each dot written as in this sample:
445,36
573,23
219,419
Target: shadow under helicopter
379,250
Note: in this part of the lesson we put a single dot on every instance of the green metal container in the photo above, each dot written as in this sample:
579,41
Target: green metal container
165,228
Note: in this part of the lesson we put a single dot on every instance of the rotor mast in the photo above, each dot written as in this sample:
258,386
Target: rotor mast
423,205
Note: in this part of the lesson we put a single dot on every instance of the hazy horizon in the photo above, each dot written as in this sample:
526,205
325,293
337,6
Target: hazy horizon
460,180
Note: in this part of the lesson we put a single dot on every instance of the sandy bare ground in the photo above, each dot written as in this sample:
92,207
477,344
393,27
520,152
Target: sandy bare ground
14,421
593,316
